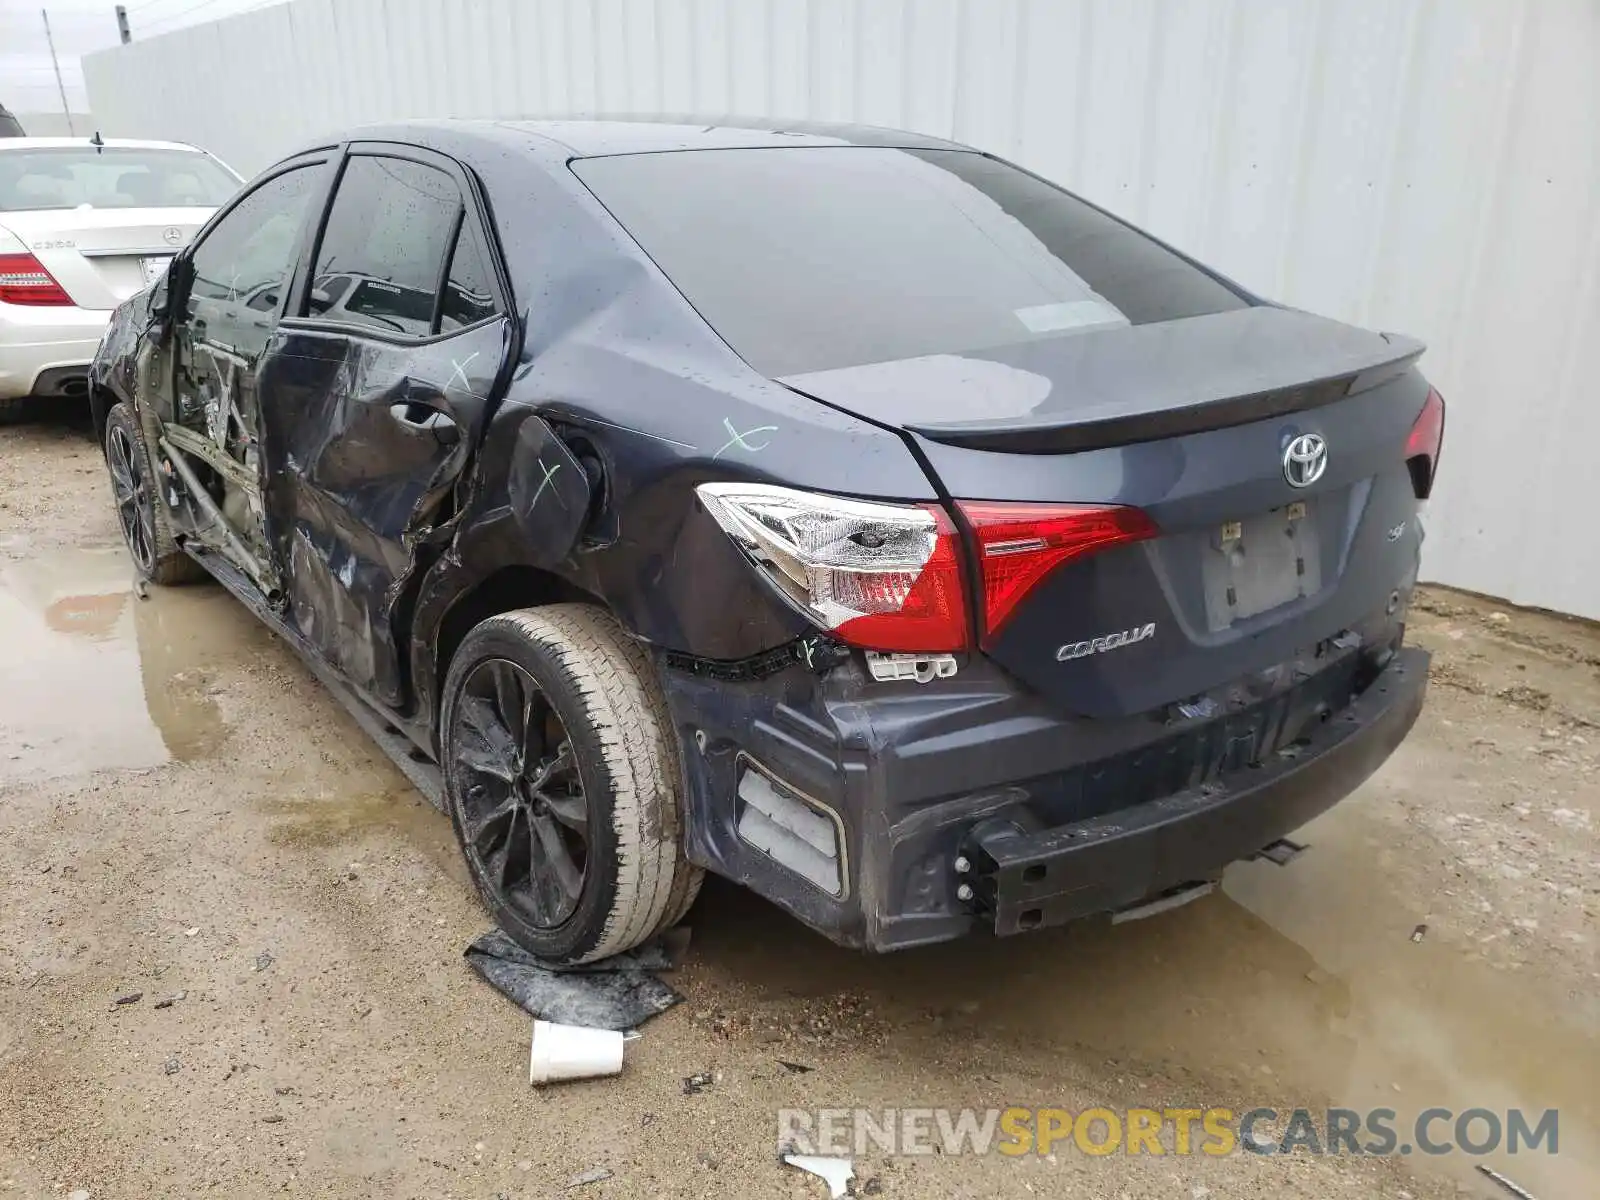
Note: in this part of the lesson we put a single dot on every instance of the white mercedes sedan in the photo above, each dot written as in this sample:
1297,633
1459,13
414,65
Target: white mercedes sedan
84,224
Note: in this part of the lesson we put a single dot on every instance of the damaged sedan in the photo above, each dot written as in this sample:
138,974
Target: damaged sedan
847,512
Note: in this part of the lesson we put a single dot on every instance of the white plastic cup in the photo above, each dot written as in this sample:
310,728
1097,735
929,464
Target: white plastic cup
572,1052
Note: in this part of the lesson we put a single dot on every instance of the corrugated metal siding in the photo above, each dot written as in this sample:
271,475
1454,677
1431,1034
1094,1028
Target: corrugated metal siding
1431,166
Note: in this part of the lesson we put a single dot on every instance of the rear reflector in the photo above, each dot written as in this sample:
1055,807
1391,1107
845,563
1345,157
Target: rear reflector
785,828
1019,544
23,280
1424,443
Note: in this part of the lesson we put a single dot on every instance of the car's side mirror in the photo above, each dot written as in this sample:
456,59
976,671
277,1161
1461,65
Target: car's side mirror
172,289
161,295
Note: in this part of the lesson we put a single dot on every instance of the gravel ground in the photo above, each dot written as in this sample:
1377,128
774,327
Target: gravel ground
185,815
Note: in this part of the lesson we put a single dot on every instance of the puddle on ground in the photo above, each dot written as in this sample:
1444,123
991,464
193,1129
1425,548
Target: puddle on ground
92,677
1306,971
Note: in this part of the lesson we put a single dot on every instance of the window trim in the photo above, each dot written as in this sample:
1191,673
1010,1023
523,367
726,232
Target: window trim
470,196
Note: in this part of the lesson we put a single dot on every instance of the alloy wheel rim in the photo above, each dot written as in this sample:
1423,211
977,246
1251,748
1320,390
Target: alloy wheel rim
132,495
525,814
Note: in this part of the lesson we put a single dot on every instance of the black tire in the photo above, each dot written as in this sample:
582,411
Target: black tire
16,410
143,518
593,739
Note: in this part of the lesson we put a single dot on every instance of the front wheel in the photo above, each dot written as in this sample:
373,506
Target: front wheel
156,556
562,774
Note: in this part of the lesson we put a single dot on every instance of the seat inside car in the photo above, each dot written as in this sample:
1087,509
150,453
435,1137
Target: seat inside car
141,187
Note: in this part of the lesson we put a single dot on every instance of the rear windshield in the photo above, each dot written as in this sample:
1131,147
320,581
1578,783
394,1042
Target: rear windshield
67,177
808,259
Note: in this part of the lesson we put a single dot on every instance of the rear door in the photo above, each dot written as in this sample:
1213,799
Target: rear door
375,400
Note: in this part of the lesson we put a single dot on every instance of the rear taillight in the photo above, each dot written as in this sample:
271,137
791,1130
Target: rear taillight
23,280
880,576
1423,444
1019,544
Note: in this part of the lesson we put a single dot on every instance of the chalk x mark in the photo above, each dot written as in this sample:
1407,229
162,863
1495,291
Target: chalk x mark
461,371
549,477
741,440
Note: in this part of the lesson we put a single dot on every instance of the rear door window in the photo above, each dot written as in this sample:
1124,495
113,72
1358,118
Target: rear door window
383,249
811,258
468,292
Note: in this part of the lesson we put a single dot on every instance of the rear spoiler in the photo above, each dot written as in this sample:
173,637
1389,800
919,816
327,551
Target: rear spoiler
1121,424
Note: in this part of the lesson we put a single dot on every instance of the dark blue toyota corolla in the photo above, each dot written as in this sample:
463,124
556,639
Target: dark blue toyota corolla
848,512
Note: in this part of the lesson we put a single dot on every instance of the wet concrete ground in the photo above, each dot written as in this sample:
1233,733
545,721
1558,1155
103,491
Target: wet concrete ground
178,798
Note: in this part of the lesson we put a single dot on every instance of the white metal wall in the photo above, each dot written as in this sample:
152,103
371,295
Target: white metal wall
1431,166
55,124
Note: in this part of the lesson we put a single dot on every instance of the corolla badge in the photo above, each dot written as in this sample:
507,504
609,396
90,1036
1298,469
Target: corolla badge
1110,641
1305,458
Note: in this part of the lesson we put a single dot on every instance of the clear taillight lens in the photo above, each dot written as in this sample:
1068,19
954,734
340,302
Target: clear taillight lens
23,280
1424,443
880,576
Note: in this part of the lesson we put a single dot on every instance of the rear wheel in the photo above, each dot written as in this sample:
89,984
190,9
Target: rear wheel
143,519
562,774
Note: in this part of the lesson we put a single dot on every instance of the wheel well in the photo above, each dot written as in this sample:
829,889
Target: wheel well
101,402
504,590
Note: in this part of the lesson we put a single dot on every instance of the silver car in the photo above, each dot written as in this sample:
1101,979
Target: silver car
84,224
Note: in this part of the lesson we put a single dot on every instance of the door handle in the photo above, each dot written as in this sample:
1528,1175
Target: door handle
420,418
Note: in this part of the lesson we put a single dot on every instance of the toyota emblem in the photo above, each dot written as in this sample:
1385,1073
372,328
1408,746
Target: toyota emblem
172,235
1305,458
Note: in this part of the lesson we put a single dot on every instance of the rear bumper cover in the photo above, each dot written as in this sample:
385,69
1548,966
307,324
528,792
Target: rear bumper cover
1024,881
37,340
919,777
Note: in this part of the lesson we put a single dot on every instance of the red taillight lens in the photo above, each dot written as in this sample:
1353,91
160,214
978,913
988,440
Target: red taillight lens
921,611
23,280
1424,443
1019,544
880,576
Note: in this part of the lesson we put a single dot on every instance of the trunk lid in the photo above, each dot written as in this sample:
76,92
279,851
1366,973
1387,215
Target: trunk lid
103,256
1250,579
